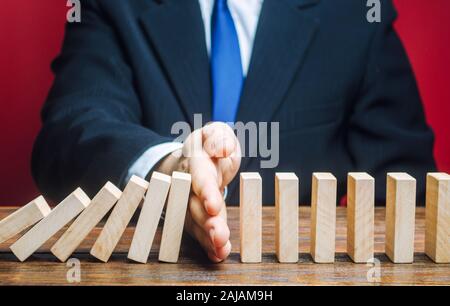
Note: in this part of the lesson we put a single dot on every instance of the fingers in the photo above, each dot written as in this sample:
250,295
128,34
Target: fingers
212,165
205,184
197,210
212,233
216,227
228,167
219,140
215,254
223,252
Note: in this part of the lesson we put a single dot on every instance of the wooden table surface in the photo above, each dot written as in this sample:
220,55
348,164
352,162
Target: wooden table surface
194,269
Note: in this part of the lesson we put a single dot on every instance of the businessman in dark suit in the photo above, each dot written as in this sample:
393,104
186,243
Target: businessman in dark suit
340,87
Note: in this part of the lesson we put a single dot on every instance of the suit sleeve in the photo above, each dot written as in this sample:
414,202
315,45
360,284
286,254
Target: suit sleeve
91,122
388,131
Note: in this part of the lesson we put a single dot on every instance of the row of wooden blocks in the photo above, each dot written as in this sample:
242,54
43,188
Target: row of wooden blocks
173,193
400,217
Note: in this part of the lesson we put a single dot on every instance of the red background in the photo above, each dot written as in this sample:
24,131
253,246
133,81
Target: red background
31,33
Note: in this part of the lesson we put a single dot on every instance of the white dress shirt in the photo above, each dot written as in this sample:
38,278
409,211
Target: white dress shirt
245,14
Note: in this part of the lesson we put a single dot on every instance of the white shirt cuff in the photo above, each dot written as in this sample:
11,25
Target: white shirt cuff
147,161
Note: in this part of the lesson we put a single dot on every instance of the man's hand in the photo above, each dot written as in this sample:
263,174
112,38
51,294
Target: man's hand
212,156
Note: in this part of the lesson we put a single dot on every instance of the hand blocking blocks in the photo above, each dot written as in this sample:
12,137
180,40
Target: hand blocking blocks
42,223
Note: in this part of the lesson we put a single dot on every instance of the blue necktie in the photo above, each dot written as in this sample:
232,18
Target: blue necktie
226,66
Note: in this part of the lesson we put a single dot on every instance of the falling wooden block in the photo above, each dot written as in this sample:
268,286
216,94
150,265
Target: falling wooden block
175,215
400,217
86,221
437,217
251,217
286,217
120,217
323,217
360,217
62,214
149,217
23,218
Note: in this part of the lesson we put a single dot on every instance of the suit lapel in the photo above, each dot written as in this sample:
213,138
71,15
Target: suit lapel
176,31
281,42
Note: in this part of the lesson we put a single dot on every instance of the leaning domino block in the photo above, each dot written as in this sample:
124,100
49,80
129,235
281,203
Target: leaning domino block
437,218
323,217
23,218
62,214
86,221
286,217
360,217
175,216
400,217
119,218
251,217
149,217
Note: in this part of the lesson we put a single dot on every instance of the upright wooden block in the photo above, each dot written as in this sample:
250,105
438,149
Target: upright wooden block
62,214
119,218
86,221
437,217
323,217
360,217
174,218
23,218
400,217
149,217
251,217
286,217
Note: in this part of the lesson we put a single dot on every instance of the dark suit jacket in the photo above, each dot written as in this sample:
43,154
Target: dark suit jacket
341,88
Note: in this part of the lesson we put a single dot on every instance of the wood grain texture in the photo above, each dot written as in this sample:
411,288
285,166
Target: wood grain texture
120,217
62,214
437,221
250,217
149,217
100,205
286,217
400,213
23,218
323,217
175,216
360,216
193,268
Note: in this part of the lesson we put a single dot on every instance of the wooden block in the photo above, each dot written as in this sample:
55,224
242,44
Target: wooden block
86,221
251,217
62,214
120,217
323,217
174,219
23,218
360,217
437,217
149,217
286,217
400,217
